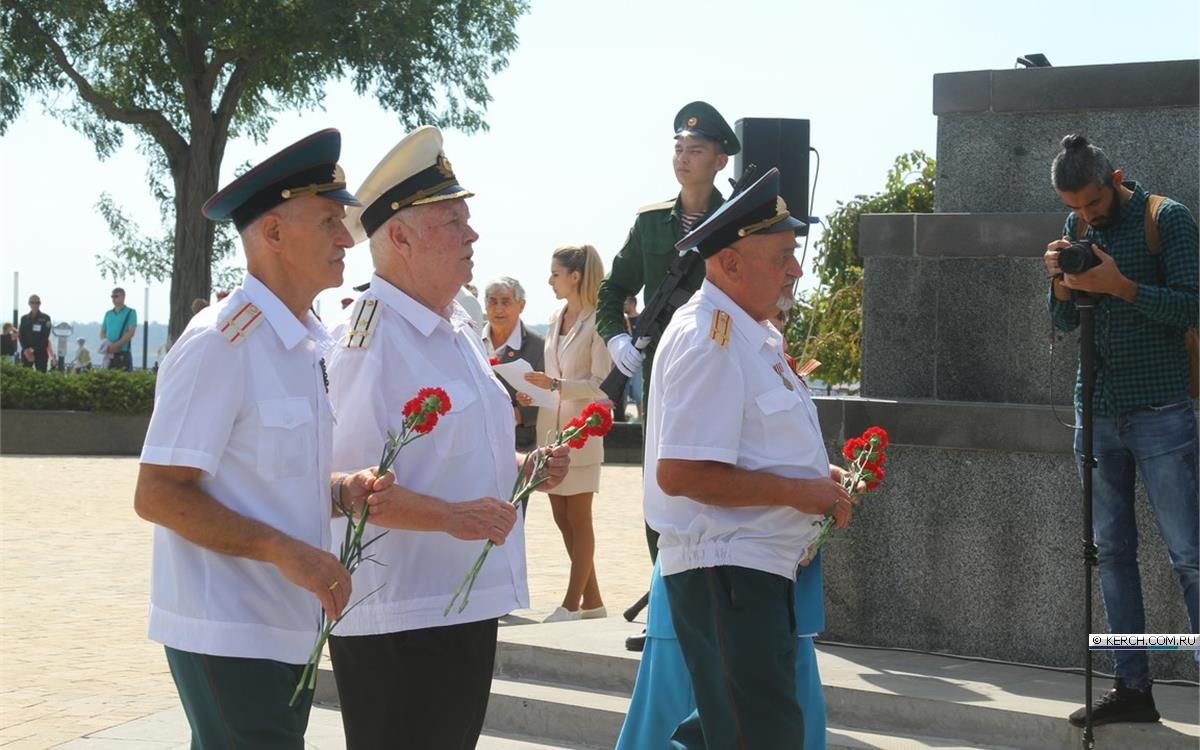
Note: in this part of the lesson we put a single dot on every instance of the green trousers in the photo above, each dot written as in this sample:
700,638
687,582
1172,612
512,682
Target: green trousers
240,704
736,629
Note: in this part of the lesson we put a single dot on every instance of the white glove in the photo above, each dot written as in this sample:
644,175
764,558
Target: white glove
625,355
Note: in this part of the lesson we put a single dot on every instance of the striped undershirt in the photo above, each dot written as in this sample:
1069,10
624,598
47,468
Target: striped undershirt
689,220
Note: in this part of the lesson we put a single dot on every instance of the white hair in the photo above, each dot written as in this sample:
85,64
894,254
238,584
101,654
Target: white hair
508,283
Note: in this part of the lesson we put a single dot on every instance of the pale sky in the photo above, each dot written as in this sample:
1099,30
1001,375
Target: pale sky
581,123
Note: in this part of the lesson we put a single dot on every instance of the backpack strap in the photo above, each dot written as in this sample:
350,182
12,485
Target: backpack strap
1153,206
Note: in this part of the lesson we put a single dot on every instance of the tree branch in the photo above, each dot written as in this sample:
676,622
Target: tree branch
238,80
152,120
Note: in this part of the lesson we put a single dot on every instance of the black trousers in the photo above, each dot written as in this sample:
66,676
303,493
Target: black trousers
737,632
418,689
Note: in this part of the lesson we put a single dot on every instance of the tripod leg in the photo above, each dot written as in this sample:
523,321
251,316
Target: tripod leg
637,607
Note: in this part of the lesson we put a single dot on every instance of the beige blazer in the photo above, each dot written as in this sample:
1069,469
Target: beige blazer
581,361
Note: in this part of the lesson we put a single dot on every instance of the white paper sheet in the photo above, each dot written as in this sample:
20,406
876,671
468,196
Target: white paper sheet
513,373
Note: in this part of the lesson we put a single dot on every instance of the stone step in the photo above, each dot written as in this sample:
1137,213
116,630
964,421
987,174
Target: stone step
889,693
553,713
841,738
567,684
499,742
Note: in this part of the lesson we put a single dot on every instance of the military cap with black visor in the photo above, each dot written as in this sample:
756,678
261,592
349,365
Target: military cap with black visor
756,210
415,172
702,120
307,167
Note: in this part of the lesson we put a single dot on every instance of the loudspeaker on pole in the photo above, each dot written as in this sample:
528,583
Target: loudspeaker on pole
782,143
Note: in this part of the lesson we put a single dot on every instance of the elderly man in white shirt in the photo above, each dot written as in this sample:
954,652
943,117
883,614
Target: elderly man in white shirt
736,475
235,470
409,675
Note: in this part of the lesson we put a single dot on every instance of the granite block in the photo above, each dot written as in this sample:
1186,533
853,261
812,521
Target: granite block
967,91
1167,83
977,553
1172,83
1000,162
899,328
985,235
886,234
971,346
948,424
1042,361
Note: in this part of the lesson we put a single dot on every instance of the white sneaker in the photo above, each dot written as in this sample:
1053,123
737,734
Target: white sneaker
593,614
562,614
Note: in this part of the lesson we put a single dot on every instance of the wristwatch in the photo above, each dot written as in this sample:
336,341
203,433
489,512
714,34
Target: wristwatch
554,382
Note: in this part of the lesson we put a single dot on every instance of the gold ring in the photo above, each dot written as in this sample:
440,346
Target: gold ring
333,585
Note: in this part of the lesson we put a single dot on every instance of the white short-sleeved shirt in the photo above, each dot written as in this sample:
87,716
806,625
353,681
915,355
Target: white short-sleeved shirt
470,454
253,415
737,404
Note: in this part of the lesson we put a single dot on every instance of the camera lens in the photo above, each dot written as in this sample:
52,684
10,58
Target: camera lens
1077,257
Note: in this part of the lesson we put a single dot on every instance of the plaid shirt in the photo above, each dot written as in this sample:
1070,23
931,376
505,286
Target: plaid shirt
1141,359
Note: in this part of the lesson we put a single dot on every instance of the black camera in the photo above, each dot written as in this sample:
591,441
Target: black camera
1077,257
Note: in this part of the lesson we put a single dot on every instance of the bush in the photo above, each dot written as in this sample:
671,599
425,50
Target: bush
102,391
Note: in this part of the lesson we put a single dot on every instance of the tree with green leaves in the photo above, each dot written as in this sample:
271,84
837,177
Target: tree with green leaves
827,322
187,75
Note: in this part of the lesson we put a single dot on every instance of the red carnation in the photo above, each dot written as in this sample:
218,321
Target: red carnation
877,436
873,475
581,436
425,423
853,447
596,419
426,398
493,361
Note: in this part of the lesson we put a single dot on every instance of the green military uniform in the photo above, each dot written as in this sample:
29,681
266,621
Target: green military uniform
645,259
643,262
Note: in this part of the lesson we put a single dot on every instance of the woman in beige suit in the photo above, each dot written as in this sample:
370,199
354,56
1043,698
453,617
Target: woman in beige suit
576,363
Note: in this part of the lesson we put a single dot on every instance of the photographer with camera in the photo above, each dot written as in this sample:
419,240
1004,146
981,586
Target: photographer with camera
1137,255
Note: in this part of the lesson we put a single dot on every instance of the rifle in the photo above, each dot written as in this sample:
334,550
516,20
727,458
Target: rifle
666,300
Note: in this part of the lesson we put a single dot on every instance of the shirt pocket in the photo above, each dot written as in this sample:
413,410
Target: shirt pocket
286,445
455,432
776,401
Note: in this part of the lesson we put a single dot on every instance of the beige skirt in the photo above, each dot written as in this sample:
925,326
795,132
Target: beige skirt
579,479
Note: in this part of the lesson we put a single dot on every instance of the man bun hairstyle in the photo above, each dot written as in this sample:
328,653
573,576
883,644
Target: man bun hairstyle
1078,165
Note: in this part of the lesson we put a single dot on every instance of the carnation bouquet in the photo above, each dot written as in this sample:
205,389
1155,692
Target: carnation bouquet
594,421
420,417
866,457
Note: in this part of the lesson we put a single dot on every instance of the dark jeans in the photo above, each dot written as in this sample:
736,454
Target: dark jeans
240,703
1160,445
422,689
121,361
737,632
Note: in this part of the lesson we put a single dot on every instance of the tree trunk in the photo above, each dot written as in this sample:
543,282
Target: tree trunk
191,271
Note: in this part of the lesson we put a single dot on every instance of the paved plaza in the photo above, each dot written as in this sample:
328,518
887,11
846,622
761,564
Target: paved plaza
74,588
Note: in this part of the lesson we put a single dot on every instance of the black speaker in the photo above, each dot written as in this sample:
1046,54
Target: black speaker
782,143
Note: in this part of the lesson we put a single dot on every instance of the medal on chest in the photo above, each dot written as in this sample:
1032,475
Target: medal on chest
780,370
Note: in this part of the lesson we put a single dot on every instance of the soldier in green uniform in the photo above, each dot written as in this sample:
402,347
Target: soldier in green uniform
703,144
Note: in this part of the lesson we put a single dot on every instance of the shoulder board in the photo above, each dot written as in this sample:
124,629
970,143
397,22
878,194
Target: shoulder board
239,322
663,206
363,322
719,330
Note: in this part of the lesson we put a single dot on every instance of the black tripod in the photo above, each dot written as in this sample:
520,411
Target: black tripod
1085,305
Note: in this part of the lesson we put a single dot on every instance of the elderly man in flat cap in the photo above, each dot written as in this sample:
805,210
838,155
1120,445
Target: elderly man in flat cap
736,474
408,674
235,470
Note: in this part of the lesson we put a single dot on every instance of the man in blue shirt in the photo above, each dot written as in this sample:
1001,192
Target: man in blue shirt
120,324
1145,283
